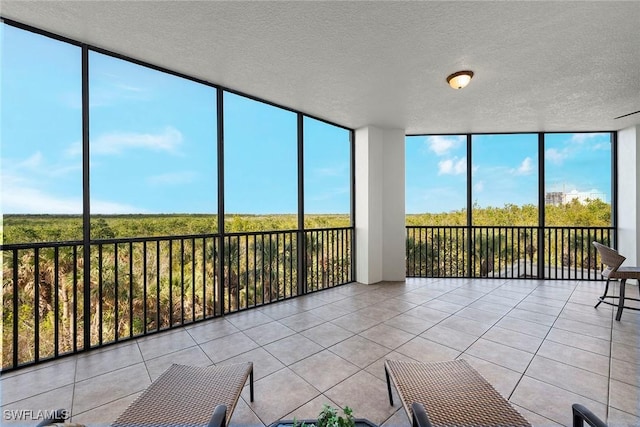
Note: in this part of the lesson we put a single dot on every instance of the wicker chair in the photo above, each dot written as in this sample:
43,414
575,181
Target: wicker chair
448,393
612,262
190,395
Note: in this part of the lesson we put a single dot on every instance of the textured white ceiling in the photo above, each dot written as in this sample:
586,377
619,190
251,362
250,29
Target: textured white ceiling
539,66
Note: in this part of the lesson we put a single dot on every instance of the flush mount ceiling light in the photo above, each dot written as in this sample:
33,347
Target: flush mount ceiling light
460,79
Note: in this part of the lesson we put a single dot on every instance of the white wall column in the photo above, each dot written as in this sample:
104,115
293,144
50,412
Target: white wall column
380,204
629,194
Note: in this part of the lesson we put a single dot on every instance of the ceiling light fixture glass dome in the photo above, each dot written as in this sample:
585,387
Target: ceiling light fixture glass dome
460,79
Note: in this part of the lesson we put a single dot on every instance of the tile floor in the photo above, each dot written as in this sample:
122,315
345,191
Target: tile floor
540,343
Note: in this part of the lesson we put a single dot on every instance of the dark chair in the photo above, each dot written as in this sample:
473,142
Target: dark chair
613,269
582,415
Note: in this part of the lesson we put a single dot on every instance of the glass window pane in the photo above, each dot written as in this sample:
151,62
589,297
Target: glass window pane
327,175
578,179
153,145
505,179
436,180
41,124
261,166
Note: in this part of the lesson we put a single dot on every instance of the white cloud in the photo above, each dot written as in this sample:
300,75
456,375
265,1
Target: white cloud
525,167
479,186
34,162
172,178
579,138
116,142
443,144
339,170
452,166
555,156
21,197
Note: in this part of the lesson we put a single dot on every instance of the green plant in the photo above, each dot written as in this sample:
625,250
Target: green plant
329,417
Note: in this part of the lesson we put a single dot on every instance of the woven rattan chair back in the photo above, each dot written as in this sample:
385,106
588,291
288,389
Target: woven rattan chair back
610,258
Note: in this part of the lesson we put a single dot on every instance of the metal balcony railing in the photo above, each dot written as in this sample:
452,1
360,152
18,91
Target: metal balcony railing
139,286
505,251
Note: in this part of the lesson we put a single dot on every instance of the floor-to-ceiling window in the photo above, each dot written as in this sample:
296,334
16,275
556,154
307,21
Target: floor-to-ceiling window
41,127
536,202
137,199
40,192
153,151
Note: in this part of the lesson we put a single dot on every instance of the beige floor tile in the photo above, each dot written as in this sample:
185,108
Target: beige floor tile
625,372
550,401
539,308
524,326
164,343
625,397
444,306
463,324
314,370
513,339
330,311
96,391
327,334
427,314
263,362
378,313
628,353
502,379
302,321
48,376
618,418
291,349
276,395
281,310
532,316
311,409
243,416
534,419
25,412
387,336
570,378
228,346
583,328
449,337
492,307
356,322
575,357
106,414
508,357
408,323
584,342
115,357
398,419
483,316
210,330
365,394
189,356
268,332
423,350
359,351
248,319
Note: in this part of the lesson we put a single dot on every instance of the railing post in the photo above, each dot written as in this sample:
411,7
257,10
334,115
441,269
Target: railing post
86,211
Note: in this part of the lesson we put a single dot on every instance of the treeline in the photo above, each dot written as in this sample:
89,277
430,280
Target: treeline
60,228
594,213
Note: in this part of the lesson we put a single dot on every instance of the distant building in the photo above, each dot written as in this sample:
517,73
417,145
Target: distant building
557,198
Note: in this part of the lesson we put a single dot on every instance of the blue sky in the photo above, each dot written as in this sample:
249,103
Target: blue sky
153,147
153,141
504,169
